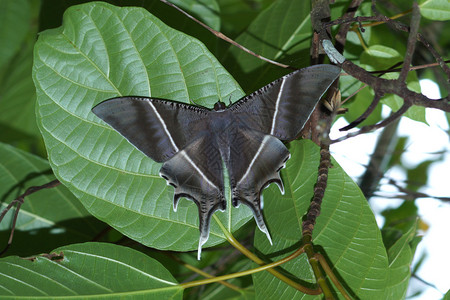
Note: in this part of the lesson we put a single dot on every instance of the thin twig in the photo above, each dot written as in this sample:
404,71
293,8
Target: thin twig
362,117
202,273
436,56
20,200
396,25
413,68
394,116
235,243
222,36
341,36
412,195
379,159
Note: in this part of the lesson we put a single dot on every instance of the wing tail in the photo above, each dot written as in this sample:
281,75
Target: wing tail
253,170
200,180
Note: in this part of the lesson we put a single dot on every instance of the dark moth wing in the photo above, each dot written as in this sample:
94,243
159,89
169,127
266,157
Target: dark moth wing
275,112
158,128
194,143
282,107
255,162
178,135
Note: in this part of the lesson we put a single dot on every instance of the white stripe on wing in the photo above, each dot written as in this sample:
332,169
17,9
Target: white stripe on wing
277,105
163,125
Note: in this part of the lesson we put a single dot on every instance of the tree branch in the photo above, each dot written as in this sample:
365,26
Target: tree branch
411,45
20,200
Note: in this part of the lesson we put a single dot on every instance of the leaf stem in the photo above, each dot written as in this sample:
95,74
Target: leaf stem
331,275
267,267
204,274
20,200
321,280
259,261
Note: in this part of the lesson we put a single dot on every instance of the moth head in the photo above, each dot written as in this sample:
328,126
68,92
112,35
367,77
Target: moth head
219,106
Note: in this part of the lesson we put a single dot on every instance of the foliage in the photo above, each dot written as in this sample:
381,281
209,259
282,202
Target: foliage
102,51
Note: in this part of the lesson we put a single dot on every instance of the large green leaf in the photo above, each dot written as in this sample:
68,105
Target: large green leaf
89,269
17,91
346,232
281,32
400,256
103,51
237,14
15,20
51,215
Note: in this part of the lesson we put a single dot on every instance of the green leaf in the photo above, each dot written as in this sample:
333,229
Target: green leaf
17,92
237,14
51,215
18,96
398,221
400,256
15,20
103,51
206,11
380,57
437,10
88,269
346,232
418,175
282,32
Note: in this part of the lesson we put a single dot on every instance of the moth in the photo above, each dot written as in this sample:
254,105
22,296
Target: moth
196,143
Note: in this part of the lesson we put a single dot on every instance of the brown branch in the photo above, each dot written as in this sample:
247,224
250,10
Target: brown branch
413,68
319,191
394,116
224,37
347,20
396,25
436,55
388,86
411,45
383,86
364,116
20,200
412,195
379,160
380,19
341,36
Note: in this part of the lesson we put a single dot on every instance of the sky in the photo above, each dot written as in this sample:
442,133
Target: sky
354,153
